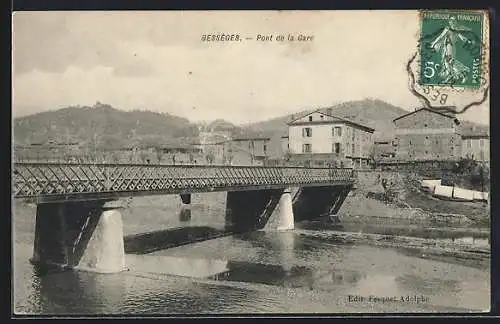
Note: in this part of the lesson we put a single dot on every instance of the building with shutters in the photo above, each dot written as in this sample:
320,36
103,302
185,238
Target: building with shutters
321,134
476,145
427,135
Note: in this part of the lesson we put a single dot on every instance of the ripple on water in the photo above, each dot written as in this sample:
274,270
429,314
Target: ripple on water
248,273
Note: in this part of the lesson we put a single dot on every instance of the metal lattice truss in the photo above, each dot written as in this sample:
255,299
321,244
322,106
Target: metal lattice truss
80,180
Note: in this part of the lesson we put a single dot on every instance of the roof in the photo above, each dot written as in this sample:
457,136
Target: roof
475,133
214,143
474,130
348,121
475,136
449,115
239,139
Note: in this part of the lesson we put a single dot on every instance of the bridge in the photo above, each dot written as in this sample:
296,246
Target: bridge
79,226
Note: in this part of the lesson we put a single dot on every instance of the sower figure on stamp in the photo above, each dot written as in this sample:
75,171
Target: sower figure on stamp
451,69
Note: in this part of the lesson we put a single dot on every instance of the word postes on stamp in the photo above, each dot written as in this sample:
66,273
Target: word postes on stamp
450,69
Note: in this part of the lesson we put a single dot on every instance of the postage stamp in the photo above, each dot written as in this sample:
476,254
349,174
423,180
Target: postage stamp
451,49
450,69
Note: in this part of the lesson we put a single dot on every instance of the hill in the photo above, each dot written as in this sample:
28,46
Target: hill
108,127
370,112
235,131
374,113
103,125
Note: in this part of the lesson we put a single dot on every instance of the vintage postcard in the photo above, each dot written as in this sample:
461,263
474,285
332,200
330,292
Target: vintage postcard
250,162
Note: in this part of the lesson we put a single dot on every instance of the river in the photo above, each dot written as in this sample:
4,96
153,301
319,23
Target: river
256,272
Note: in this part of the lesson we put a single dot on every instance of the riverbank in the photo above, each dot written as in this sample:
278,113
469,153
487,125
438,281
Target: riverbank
402,201
474,255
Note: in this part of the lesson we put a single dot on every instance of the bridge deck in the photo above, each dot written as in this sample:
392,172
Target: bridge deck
72,181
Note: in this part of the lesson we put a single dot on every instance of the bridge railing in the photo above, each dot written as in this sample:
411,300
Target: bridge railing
46,179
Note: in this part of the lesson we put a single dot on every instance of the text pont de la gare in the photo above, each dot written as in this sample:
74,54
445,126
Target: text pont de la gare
258,37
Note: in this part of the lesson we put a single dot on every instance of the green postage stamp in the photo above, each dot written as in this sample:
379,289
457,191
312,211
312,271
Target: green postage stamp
451,48
450,68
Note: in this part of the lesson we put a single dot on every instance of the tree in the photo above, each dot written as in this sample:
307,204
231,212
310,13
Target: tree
115,158
371,156
210,157
143,156
159,154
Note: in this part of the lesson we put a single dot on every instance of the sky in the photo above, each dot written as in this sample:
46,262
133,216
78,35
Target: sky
155,60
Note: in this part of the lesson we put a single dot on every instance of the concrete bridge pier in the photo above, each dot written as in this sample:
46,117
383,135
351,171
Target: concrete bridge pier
250,210
340,198
313,202
186,199
286,219
84,235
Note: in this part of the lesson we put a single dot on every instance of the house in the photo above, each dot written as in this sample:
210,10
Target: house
321,134
218,151
238,151
247,150
384,148
50,150
285,146
476,145
427,135
256,146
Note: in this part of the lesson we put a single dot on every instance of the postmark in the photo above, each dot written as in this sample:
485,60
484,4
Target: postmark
450,68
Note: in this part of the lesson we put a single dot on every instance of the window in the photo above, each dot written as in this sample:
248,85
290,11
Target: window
481,143
321,116
339,131
306,148
310,118
307,132
425,125
265,148
352,149
469,143
336,148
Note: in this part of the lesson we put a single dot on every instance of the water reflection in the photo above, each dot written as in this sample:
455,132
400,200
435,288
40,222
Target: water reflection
163,239
322,270
185,214
72,292
290,276
178,266
79,293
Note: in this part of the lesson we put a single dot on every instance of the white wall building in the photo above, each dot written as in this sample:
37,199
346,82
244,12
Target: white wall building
476,147
318,133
